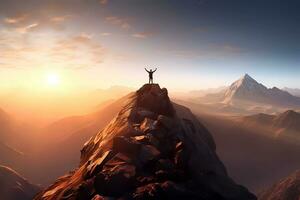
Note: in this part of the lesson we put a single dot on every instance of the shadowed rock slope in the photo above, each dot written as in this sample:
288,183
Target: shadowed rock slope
286,189
14,187
151,150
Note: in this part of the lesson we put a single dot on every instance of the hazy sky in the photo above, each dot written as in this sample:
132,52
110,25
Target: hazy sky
195,43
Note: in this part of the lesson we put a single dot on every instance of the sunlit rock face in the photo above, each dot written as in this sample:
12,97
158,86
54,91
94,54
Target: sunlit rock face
286,189
152,149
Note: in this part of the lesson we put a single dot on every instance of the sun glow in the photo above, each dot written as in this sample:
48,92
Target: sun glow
53,79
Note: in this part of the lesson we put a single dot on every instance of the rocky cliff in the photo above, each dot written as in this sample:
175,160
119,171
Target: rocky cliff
152,149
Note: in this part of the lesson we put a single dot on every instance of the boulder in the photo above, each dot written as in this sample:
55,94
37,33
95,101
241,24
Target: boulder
165,164
142,113
147,125
173,175
98,197
97,165
161,191
116,181
148,153
126,145
165,122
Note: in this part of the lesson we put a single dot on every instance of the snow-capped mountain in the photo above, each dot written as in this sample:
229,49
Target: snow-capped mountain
249,90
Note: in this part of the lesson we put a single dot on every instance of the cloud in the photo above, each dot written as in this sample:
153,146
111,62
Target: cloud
80,50
121,22
142,35
27,28
25,22
16,19
64,51
60,19
210,52
105,34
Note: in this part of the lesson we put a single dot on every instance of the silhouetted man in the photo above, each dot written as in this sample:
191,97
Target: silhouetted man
151,75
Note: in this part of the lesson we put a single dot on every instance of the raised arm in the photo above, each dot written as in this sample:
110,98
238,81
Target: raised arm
146,70
155,70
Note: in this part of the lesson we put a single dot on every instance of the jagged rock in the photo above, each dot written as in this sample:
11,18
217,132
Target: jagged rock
150,151
95,166
126,145
152,98
142,139
150,191
159,133
165,164
144,180
153,140
115,181
146,114
85,190
181,159
160,191
98,197
173,175
147,125
165,121
179,146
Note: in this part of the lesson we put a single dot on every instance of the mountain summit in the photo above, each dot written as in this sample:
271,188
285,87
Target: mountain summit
152,149
244,88
247,89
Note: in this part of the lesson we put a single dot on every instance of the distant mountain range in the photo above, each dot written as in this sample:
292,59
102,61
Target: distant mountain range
247,96
285,125
247,89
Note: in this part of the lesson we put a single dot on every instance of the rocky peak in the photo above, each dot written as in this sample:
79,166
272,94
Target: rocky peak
152,98
248,78
153,149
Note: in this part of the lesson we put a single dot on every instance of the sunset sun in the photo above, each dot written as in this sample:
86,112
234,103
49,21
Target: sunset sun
52,79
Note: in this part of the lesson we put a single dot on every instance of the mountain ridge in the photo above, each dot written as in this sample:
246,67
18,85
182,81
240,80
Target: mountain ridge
152,149
285,125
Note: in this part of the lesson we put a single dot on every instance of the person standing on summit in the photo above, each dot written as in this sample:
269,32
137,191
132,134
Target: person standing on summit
151,75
